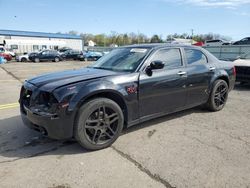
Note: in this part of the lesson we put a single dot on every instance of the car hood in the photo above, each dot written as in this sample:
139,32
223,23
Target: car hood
49,82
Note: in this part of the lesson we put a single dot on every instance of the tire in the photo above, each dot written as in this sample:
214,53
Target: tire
36,60
218,96
56,59
93,130
85,59
24,60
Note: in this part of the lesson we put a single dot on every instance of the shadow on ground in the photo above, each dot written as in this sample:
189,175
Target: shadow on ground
17,141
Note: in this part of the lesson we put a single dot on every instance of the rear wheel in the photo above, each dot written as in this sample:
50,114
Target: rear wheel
56,59
99,124
23,60
218,96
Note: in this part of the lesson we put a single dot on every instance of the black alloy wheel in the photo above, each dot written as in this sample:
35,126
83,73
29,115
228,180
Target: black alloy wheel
218,96
100,122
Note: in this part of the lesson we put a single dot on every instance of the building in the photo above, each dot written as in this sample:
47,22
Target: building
26,41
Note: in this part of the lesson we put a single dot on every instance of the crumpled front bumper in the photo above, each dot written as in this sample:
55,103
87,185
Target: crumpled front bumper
60,127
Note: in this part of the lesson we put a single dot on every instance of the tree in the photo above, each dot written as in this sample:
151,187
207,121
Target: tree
155,39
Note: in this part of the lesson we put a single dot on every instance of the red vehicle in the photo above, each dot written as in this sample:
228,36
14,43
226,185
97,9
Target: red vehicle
8,57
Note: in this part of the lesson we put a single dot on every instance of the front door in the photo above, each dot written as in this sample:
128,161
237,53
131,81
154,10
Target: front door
164,90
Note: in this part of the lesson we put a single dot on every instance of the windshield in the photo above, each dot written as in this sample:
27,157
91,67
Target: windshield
121,59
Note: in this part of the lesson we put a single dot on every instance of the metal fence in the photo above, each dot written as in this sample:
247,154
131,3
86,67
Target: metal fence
227,52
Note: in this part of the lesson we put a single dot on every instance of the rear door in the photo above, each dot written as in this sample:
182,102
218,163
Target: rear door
200,73
164,90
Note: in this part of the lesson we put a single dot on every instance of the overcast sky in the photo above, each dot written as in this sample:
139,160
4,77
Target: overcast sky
226,17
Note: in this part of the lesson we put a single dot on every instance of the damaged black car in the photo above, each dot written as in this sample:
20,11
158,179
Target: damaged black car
128,86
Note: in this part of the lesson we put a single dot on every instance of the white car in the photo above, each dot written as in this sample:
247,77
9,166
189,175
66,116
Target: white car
3,50
22,58
216,42
242,66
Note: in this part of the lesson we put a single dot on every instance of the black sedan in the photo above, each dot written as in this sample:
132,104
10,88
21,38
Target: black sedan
73,54
45,55
127,86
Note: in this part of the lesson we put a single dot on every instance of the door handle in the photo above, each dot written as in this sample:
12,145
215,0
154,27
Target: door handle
212,68
181,73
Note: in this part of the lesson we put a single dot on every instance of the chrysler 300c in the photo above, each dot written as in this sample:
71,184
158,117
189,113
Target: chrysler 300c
129,85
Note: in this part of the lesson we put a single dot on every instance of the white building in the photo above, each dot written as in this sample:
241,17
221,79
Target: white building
26,41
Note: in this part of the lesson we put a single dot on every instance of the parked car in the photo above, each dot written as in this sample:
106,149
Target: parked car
217,42
127,86
24,57
64,49
72,54
46,55
4,50
242,65
6,56
245,41
92,56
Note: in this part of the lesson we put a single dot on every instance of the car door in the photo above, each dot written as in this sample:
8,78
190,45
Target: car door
199,73
44,56
165,89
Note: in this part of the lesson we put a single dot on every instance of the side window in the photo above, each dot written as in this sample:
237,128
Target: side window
170,57
195,57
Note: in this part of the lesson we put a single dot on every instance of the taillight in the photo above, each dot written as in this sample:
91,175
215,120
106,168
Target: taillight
234,71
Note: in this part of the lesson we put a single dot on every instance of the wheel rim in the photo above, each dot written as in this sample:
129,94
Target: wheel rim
220,96
102,125
56,60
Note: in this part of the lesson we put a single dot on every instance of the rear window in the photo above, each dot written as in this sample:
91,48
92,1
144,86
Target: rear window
194,57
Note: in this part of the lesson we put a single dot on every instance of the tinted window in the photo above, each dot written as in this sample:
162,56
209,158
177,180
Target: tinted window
195,57
170,57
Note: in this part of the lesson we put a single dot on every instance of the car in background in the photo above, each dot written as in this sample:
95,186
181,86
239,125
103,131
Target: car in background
4,50
72,54
217,42
6,56
242,66
64,49
92,56
244,41
46,55
24,57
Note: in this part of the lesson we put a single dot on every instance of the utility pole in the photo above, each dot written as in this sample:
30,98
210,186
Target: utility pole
192,33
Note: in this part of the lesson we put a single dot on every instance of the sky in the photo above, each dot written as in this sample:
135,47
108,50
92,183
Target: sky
162,17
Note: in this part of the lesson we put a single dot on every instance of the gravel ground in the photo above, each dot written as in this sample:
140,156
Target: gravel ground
192,148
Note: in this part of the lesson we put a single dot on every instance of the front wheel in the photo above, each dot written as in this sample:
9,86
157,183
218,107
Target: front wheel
218,96
99,124
37,60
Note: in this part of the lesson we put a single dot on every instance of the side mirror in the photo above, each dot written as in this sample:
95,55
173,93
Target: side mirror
154,65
